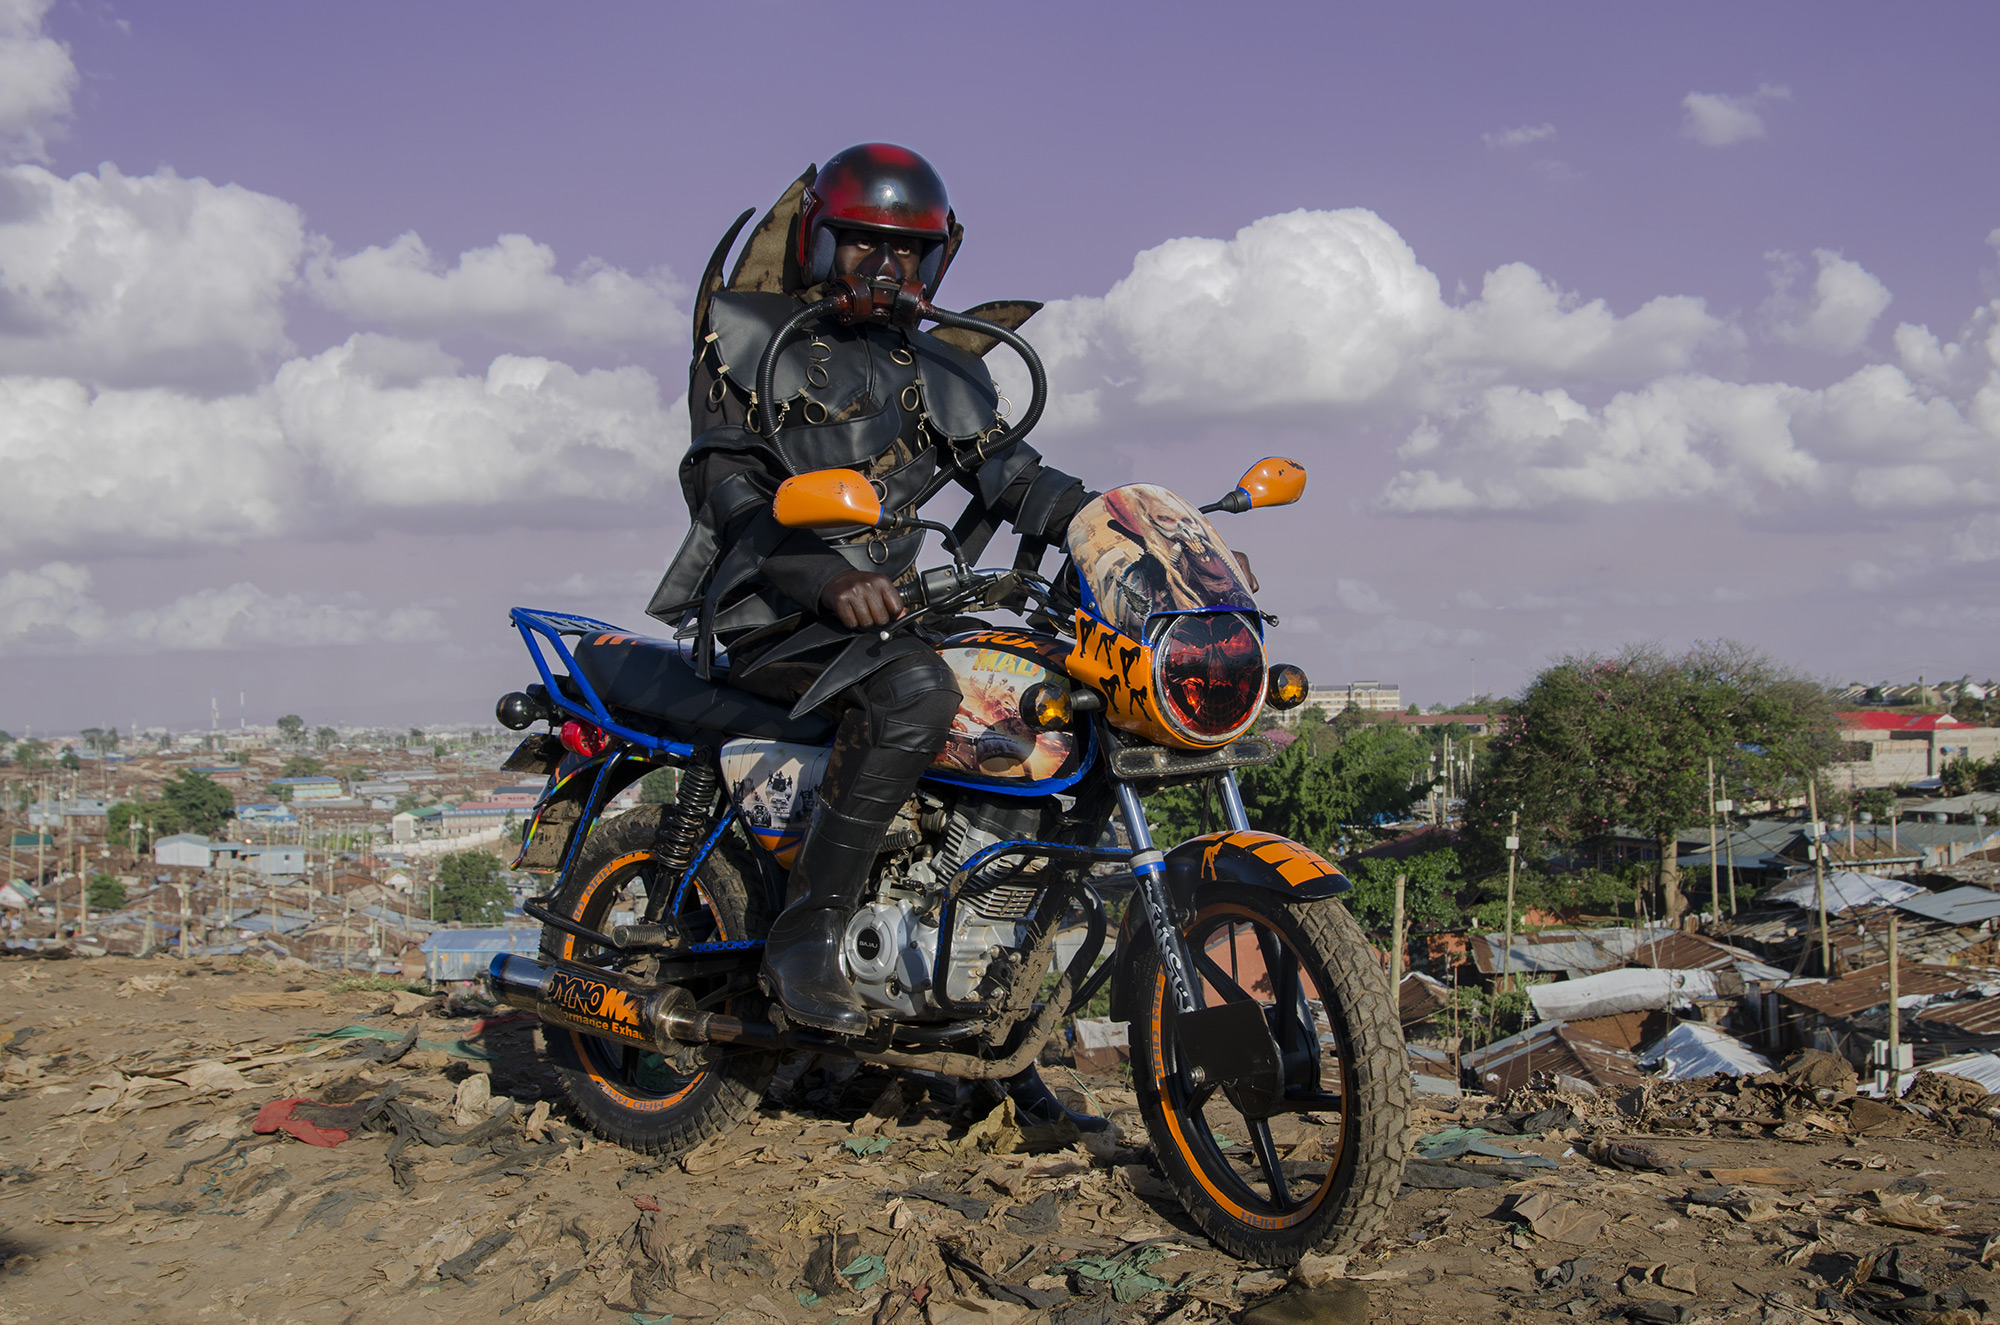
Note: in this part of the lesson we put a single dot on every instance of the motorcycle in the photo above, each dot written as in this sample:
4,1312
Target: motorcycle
1250,991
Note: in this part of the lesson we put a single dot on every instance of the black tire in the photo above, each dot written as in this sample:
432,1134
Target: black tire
1361,1079
635,1099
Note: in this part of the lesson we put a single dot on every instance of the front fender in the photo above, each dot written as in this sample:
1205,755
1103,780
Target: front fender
1259,860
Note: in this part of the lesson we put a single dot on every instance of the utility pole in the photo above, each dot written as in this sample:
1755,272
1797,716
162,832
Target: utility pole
1507,952
1819,877
1714,880
1895,1018
1396,941
1727,807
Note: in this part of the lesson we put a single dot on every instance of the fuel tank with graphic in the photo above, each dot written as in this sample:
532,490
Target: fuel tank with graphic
990,744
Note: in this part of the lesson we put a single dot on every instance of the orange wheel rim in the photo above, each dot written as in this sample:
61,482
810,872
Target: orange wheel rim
1196,1144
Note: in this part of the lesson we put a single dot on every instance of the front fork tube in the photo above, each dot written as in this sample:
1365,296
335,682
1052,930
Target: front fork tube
1149,877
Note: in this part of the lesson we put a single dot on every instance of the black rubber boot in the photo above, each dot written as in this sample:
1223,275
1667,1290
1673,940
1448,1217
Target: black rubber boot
1037,1105
802,955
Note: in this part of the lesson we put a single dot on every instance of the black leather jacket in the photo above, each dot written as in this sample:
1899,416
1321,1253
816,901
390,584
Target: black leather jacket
890,402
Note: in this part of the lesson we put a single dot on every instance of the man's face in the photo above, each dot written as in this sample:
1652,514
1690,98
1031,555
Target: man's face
870,255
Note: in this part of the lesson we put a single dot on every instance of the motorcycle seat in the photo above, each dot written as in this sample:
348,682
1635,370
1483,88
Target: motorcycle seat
650,677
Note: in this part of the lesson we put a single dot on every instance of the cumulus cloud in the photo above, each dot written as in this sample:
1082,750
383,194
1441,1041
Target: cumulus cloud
1979,540
1510,449
37,79
120,280
1836,316
370,427
1717,119
1520,135
1359,596
510,290
52,609
1333,310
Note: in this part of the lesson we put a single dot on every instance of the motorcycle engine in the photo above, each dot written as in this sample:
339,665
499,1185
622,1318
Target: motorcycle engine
891,945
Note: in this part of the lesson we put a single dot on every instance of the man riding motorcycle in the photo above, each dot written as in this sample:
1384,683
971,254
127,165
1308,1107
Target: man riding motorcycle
894,403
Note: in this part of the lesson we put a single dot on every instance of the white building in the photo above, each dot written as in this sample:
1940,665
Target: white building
185,849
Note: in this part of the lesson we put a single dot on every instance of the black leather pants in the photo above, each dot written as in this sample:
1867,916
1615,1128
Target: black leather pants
893,724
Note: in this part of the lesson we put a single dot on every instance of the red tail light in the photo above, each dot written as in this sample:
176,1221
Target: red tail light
1210,676
584,739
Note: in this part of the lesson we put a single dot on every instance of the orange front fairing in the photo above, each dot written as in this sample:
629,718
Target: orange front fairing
1121,668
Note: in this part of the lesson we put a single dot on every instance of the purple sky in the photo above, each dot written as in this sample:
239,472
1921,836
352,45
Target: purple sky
256,441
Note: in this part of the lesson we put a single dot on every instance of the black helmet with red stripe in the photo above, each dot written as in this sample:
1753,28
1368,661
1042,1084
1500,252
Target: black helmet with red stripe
878,187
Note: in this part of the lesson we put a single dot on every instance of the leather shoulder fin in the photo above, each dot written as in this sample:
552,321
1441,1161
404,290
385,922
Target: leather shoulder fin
769,261
711,277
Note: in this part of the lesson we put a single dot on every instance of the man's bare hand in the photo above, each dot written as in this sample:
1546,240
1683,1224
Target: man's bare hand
861,598
1248,574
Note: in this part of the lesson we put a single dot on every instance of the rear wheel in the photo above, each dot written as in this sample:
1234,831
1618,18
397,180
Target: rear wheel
642,1100
1319,1172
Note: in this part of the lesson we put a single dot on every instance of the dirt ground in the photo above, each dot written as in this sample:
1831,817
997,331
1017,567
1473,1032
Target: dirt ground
133,1187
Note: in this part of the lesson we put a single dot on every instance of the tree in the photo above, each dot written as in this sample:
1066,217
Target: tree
470,888
32,753
199,803
658,787
1430,892
302,766
1601,743
154,818
105,893
324,737
69,762
101,740
292,727
1333,779
1320,786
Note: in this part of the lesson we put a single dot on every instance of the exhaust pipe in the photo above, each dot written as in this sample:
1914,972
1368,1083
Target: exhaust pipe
663,1018
598,1002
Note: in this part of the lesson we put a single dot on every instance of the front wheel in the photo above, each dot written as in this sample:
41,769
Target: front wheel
1319,1172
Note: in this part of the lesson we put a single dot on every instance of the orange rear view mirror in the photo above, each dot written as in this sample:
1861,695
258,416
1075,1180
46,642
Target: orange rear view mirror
1272,481
827,499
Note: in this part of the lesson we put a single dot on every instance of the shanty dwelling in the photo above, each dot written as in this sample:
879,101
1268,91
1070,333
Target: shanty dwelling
188,850
1597,1052
453,956
1849,1014
1951,928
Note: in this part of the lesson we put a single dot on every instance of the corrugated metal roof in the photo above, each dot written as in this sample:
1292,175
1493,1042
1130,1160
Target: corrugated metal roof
1560,950
1690,952
1957,906
484,940
1973,1016
1552,1047
1692,1050
1845,890
1870,988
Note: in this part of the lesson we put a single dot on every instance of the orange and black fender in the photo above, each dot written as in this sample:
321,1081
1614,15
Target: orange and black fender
1260,860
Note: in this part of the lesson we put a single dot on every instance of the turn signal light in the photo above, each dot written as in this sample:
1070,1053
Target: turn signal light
1288,687
1046,707
586,739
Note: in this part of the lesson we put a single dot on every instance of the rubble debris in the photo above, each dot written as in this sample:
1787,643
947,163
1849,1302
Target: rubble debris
1557,1219
1632,1157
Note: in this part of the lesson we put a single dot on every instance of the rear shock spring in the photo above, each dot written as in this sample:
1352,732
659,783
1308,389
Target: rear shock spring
682,826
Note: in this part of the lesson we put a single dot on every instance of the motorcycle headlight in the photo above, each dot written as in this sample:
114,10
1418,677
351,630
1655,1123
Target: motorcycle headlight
1208,672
